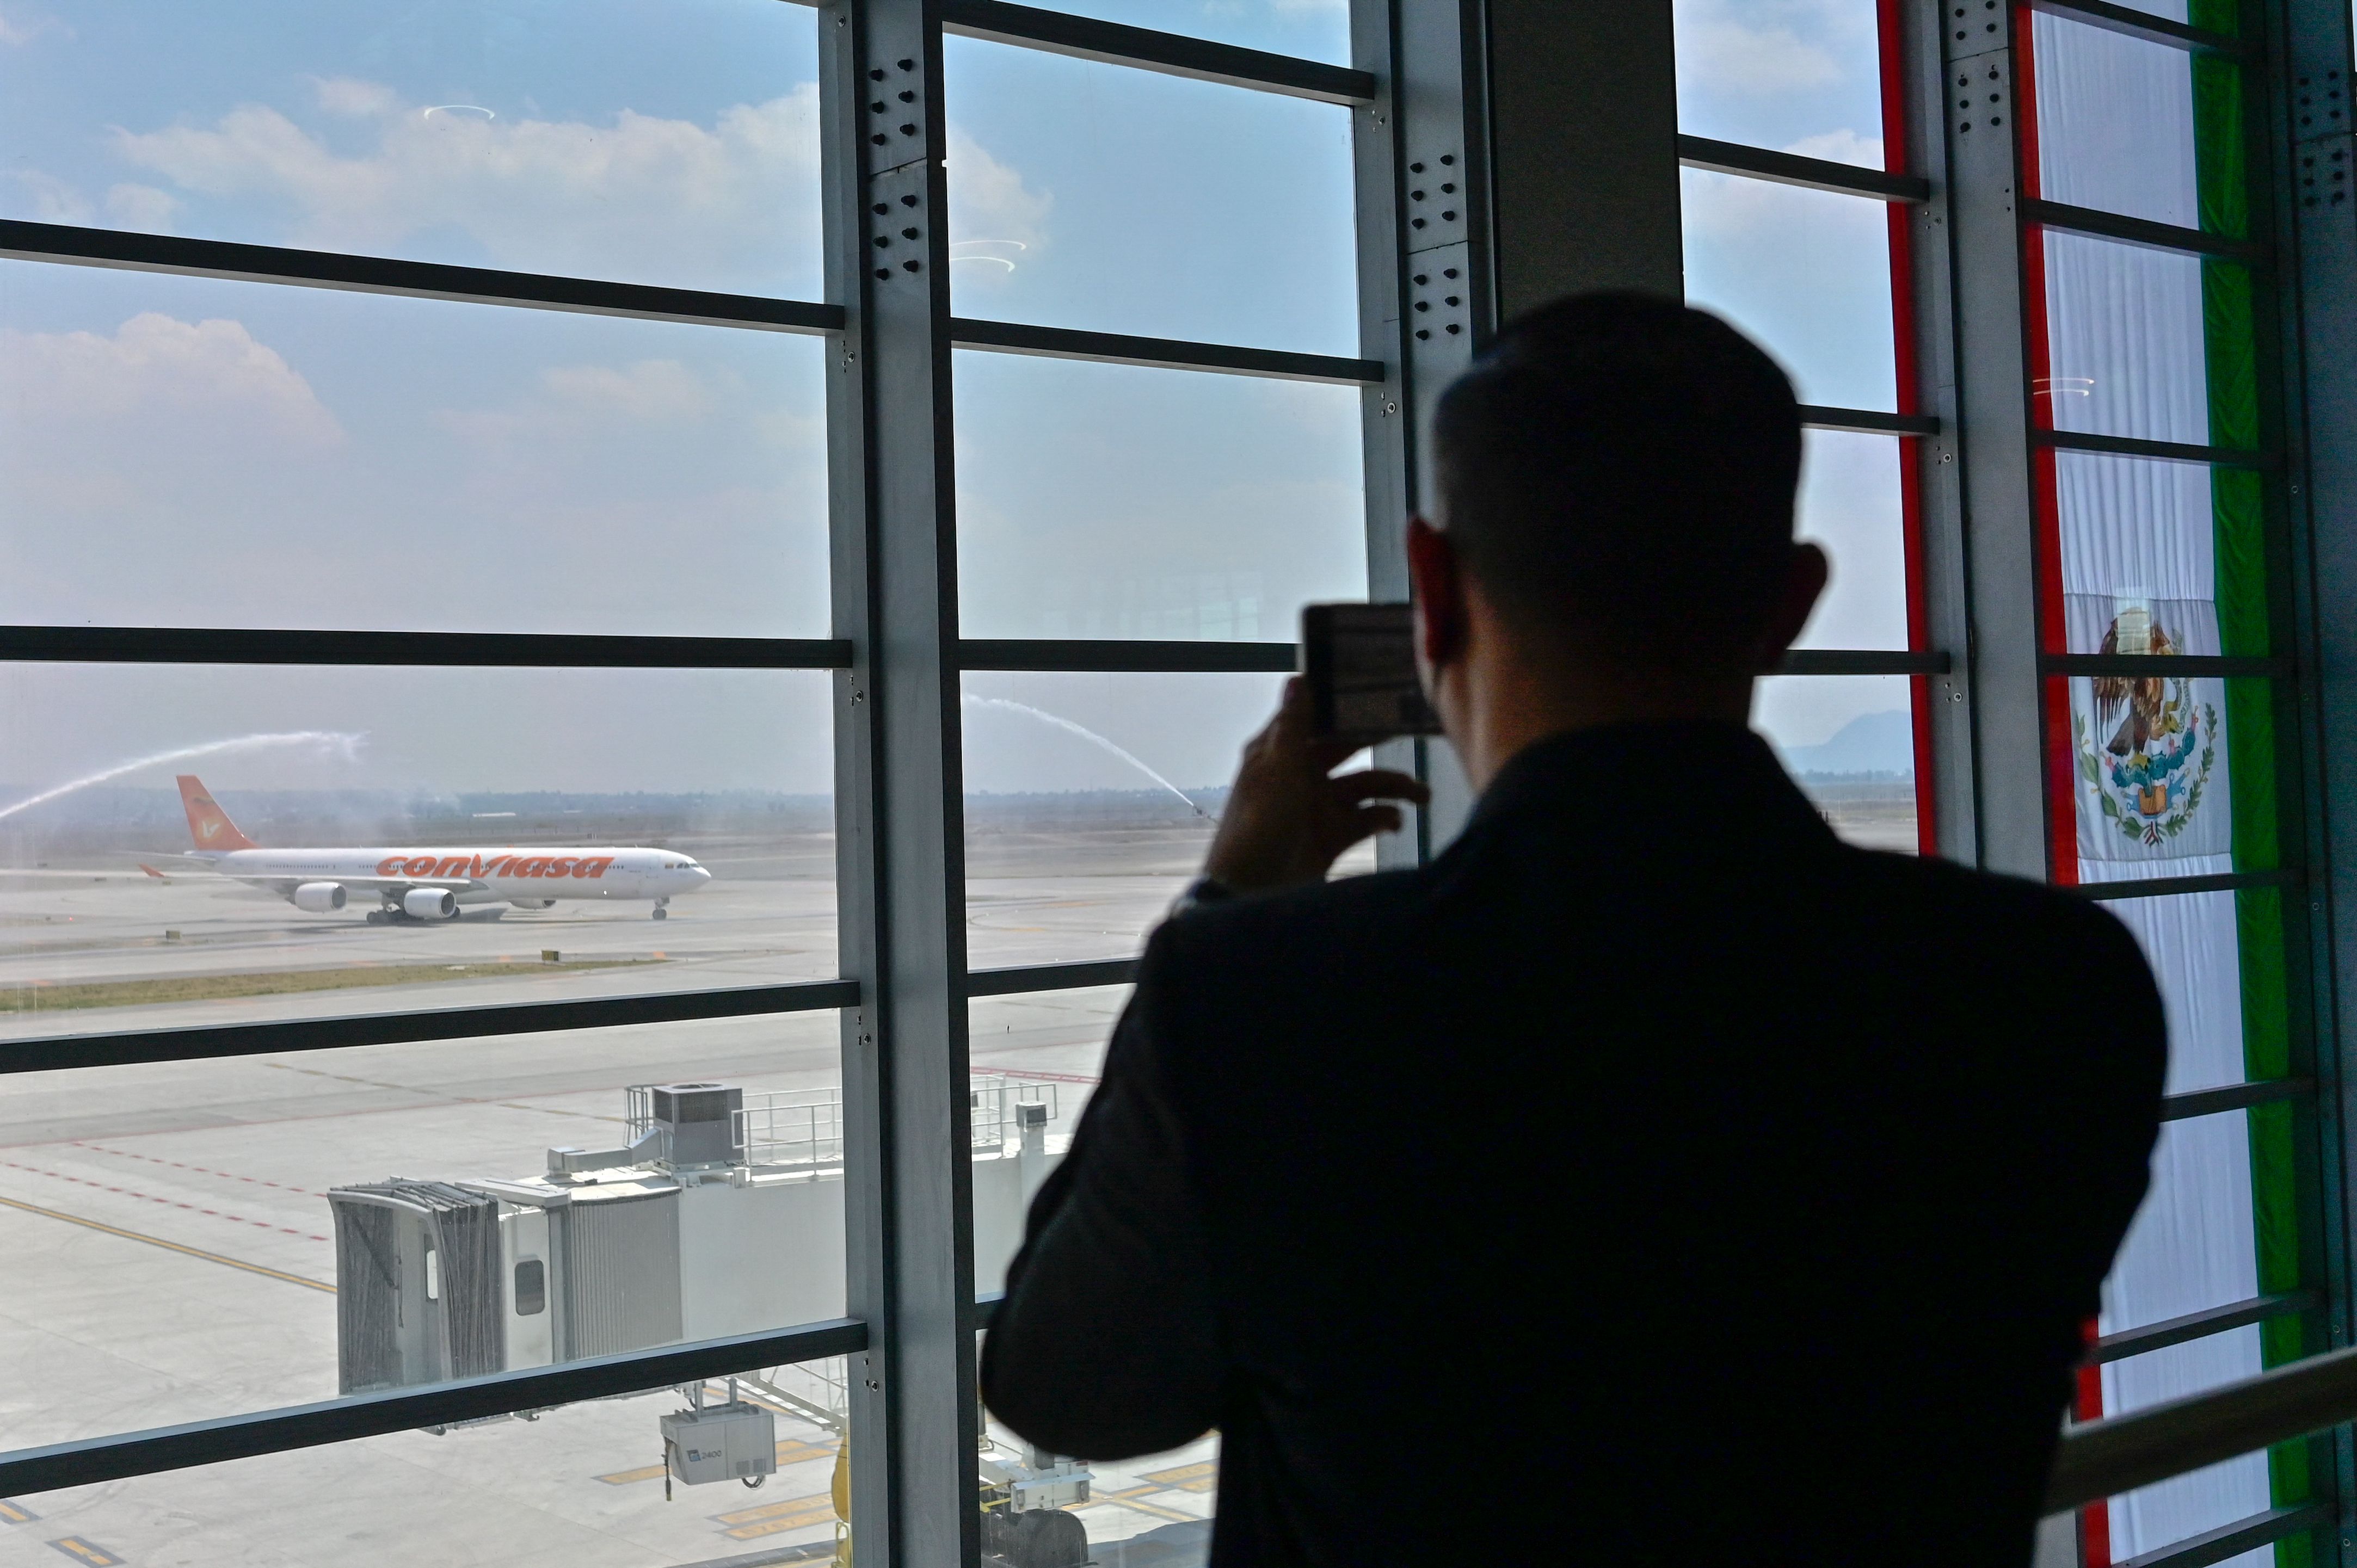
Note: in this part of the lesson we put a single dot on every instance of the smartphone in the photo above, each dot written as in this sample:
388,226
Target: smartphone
1360,663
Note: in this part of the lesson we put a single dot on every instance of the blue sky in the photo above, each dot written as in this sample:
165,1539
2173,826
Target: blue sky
189,452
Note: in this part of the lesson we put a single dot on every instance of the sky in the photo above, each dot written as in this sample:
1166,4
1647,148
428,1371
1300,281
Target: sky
186,452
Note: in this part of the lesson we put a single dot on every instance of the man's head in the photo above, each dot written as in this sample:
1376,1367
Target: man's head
1616,477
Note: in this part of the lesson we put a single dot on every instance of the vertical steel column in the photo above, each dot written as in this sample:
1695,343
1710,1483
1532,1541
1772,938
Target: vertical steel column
2317,201
1535,149
1991,399
1921,88
900,850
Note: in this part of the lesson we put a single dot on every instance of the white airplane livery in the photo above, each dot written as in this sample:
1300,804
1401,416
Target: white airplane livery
431,883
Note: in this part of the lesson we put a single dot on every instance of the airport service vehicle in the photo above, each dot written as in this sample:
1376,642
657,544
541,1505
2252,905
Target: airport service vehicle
432,883
721,1214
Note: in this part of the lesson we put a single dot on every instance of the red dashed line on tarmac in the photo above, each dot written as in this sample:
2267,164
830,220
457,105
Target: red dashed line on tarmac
200,1170
169,1203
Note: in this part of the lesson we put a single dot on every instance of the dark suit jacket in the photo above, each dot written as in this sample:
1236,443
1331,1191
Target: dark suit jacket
1653,1176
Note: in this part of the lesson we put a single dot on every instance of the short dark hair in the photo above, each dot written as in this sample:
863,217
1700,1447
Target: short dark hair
1618,471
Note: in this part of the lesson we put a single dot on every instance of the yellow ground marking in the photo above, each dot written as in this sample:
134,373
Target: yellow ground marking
1183,1473
16,1514
771,1510
1128,1499
793,1451
802,1521
173,1247
46,997
82,1550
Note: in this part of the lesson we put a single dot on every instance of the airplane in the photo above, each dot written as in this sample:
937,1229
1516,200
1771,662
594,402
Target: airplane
427,885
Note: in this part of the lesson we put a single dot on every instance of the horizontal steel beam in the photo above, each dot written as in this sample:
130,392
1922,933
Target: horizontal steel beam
2164,451
88,1461
1173,54
1867,422
1792,168
2233,1540
1049,977
2163,664
1116,656
1863,661
2232,1097
52,1053
2168,887
2151,236
238,263
2144,25
472,650
2194,1326
1162,353
2103,1458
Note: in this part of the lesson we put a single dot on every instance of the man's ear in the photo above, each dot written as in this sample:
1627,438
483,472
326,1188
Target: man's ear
1806,572
1438,585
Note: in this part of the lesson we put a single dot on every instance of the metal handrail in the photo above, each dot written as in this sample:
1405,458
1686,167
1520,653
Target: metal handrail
2119,1454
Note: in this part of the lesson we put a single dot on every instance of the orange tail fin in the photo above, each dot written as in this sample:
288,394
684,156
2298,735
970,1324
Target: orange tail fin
208,823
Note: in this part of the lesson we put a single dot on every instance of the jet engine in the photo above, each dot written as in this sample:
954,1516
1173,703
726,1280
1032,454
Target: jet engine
430,904
320,898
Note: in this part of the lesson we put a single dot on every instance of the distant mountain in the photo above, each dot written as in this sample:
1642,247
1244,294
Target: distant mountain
1871,742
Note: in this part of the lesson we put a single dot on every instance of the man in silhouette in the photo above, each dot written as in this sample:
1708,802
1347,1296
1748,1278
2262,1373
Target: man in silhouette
1650,1176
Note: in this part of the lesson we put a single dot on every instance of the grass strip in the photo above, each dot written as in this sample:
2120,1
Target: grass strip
275,983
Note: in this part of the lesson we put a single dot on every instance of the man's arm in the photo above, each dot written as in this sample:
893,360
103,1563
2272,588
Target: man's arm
1105,1346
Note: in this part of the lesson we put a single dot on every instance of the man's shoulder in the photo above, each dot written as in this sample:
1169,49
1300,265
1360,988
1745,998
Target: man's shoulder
1348,915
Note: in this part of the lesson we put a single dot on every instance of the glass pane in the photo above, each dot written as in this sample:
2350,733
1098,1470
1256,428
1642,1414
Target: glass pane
1802,75
412,838
1114,200
185,452
1850,503
2190,939
2160,557
1090,801
207,1238
2126,344
2160,1516
1806,273
1849,742
1309,29
647,141
1110,501
1044,1048
2153,769
2119,126
1152,1512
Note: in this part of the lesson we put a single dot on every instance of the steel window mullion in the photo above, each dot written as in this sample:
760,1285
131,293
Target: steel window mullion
2228,1097
89,1461
474,649
1867,422
52,1053
2120,229
1161,353
2233,1540
2167,886
1050,977
2164,451
2144,25
234,262
2192,1326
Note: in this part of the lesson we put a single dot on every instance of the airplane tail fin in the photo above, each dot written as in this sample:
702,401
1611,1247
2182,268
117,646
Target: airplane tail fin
209,825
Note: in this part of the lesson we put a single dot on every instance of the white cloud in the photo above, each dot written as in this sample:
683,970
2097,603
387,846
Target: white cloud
1756,49
155,364
638,194
355,99
989,201
53,200
649,390
142,207
16,32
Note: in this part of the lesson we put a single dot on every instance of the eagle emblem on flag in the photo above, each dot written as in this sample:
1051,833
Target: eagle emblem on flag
2150,754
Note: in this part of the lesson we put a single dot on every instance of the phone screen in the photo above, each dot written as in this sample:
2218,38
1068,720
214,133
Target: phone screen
1361,662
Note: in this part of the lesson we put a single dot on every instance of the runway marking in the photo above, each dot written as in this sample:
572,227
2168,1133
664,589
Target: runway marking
82,1551
1043,1077
1129,1499
167,1246
169,1202
200,1170
1186,1472
439,1099
12,1512
773,1514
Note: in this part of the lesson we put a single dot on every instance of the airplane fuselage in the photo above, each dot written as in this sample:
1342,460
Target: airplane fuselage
527,875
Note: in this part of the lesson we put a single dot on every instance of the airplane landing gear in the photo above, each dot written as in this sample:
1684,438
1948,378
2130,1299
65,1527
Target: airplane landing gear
378,917
661,913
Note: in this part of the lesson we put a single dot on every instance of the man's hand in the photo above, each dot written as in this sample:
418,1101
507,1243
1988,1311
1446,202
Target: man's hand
1288,817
